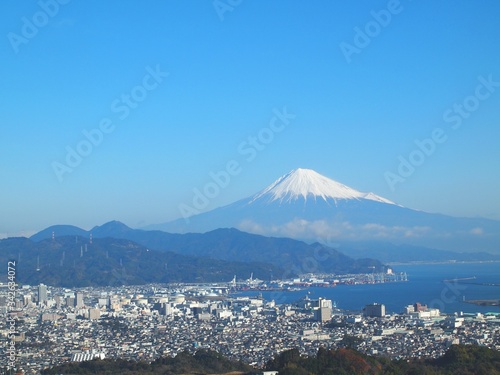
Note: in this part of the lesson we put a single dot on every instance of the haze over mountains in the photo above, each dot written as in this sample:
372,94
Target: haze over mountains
283,256
306,205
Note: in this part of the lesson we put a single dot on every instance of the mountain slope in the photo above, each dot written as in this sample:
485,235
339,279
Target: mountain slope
61,230
233,245
223,244
71,261
307,206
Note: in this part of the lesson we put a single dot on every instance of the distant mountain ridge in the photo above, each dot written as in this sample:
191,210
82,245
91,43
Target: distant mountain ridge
305,205
233,245
110,229
61,230
208,244
73,261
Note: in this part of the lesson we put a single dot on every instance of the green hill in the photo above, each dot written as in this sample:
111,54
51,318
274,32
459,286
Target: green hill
73,261
203,362
230,244
458,360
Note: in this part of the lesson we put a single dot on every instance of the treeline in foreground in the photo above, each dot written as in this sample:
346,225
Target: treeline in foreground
458,360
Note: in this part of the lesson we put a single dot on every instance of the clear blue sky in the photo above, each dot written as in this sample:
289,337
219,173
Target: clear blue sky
228,69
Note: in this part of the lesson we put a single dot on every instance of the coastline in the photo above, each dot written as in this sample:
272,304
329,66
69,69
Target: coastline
429,263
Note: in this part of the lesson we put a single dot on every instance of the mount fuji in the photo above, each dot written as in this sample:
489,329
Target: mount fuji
305,205
305,184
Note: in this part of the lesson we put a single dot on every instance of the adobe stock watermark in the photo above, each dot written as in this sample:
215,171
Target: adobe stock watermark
224,6
249,149
10,348
324,248
122,107
448,295
455,116
32,25
371,30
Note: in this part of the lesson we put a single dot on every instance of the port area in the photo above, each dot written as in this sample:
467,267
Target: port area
484,302
467,280
319,280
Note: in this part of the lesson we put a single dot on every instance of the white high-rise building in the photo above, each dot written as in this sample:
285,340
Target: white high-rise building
42,293
78,299
323,312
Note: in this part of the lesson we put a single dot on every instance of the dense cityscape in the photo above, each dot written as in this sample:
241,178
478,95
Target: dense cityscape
58,325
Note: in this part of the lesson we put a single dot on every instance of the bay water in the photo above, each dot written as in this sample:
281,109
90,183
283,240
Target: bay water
434,285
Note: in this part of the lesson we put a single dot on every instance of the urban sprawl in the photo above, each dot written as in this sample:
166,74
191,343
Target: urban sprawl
44,326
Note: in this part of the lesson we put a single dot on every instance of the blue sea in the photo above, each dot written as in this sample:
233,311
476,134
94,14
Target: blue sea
426,285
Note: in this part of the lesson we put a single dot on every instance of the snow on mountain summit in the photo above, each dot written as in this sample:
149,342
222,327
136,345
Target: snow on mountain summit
306,183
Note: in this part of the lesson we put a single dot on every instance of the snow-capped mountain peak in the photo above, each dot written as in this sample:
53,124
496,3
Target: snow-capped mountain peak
306,183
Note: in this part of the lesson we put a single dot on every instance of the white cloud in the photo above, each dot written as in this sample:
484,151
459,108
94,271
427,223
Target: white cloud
325,232
251,227
477,231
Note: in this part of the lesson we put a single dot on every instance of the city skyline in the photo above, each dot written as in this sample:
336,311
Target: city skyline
118,112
